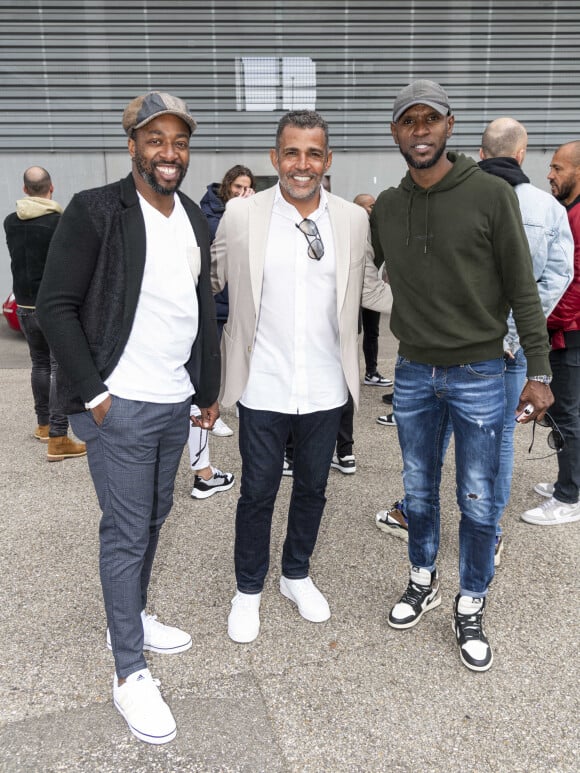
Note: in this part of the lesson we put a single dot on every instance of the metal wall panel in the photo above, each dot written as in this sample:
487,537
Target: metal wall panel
69,67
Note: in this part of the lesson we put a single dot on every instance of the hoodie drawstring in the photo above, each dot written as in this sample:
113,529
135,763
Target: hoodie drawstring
426,222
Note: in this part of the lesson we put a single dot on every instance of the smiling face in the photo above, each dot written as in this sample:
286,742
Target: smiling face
160,153
301,159
421,134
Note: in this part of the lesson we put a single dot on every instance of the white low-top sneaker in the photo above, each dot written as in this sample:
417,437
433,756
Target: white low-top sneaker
552,512
164,639
140,703
221,429
544,489
244,618
310,602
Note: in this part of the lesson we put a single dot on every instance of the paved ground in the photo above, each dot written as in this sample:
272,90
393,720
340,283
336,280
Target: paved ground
347,695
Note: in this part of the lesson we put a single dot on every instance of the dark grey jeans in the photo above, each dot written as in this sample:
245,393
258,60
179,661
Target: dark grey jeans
566,413
42,376
133,458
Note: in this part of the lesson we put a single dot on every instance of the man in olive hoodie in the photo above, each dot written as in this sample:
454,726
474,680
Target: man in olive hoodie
457,257
29,231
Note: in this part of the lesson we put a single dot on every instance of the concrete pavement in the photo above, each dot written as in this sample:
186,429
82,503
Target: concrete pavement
347,695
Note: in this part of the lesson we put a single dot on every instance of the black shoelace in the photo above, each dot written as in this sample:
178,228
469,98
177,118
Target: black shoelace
470,627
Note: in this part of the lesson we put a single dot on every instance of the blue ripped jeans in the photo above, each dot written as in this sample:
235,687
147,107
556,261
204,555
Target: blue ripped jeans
472,397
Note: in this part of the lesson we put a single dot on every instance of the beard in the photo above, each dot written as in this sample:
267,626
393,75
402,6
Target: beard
297,192
564,191
146,171
427,164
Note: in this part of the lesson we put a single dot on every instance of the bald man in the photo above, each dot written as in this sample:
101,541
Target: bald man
29,231
503,149
366,201
561,504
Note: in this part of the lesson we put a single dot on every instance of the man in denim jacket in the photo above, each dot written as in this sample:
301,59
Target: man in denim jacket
503,149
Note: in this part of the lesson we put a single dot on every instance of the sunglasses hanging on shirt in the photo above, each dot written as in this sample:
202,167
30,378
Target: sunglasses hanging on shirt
312,234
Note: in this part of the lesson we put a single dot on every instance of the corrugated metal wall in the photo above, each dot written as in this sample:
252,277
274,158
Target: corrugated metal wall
68,68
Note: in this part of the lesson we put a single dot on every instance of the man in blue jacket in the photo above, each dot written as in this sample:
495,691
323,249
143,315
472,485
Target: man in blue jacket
126,305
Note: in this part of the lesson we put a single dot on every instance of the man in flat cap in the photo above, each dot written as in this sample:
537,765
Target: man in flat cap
457,257
127,308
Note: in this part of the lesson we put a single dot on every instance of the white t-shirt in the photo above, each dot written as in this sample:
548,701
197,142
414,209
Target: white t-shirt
152,366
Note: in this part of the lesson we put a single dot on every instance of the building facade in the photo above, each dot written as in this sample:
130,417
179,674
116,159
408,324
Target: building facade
70,66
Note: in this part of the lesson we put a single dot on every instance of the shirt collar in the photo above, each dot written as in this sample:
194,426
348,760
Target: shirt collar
284,208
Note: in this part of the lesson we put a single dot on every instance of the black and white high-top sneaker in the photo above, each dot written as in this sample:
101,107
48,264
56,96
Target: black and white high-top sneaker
474,647
421,595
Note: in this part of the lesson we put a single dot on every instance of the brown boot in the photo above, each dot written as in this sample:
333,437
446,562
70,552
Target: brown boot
64,448
41,433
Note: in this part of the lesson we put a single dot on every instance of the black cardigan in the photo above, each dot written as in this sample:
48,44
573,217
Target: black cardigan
91,285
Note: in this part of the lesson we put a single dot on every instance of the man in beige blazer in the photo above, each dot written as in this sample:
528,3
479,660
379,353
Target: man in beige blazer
297,261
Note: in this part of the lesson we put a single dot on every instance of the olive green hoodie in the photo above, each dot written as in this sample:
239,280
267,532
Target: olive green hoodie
457,258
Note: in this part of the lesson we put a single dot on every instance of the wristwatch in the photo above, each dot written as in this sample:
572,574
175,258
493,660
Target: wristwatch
542,379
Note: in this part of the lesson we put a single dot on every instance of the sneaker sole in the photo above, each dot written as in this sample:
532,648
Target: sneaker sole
436,601
348,471
394,530
169,651
385,384
211,491
466,663
61,457
153,739
159,651
386,423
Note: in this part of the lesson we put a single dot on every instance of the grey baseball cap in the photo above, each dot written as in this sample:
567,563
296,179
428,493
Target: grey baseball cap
421,92
145,108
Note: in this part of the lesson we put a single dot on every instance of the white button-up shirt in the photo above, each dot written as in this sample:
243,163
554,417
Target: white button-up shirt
296,364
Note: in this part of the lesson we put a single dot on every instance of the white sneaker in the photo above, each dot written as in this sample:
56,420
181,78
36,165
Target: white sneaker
544,489
552,512
244,618
221,429
310,602
160,638
140,703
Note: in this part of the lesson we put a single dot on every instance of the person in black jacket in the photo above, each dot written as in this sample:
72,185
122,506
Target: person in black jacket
28,233
127,307
237,181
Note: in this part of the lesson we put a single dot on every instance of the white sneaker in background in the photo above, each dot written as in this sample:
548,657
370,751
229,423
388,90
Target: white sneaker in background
544,489
163,639
221,429
552,512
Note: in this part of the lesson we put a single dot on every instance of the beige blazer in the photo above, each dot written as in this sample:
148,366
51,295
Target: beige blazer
238,255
